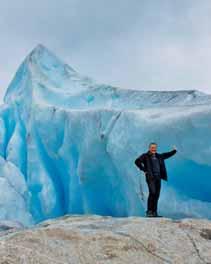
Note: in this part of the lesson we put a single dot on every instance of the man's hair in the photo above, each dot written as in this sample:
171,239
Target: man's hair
152,143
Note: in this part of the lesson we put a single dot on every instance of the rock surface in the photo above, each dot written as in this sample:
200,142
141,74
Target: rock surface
91,239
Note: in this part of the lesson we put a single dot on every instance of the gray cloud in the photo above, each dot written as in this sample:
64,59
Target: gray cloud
128,43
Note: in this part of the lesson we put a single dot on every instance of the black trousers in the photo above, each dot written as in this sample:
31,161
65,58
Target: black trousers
154,186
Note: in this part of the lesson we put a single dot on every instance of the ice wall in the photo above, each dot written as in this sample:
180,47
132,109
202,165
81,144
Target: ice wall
68,145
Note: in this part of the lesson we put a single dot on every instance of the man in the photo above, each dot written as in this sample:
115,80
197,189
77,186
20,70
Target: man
153,165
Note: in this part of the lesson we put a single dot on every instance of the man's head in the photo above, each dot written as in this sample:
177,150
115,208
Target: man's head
153,147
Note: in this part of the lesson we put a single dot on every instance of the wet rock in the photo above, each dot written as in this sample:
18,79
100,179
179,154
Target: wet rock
93,239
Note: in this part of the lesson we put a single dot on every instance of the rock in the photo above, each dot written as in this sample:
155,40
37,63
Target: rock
7,226
93,239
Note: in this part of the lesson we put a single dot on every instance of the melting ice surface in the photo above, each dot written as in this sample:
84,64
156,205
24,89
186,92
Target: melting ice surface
68,145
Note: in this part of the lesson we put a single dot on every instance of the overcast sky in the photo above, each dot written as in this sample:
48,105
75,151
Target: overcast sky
135,44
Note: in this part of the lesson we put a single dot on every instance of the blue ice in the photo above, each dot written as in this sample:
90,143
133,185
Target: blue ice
68,145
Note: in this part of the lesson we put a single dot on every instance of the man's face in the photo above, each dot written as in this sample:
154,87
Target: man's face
153,148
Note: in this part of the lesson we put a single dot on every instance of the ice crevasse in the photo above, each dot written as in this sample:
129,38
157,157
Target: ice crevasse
68,145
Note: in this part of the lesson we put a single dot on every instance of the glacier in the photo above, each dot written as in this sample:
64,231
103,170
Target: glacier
68,145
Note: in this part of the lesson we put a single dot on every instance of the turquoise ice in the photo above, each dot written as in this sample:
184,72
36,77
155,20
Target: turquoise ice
68,145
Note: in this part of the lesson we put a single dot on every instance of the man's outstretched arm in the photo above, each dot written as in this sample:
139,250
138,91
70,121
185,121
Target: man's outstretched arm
139,163
167,155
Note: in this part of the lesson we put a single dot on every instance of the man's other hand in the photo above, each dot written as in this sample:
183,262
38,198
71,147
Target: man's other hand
174,147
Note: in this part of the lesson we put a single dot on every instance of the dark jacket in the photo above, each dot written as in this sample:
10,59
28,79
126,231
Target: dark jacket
144,163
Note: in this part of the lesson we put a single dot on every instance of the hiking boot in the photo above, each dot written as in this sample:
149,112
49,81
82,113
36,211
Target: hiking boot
157,215
149,214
